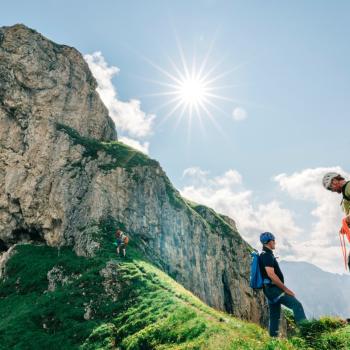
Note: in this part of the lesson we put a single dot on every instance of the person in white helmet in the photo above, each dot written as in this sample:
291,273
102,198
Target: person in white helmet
336,183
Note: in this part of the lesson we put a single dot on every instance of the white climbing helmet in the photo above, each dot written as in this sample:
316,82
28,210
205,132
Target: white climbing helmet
327,179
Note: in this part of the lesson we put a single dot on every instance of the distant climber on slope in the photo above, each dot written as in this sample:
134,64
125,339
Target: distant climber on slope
276,292
122,241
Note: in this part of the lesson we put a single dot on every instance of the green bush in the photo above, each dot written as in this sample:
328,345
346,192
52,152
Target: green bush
323,333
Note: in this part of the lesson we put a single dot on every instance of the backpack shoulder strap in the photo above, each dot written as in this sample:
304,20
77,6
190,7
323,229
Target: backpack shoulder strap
265,280
343,192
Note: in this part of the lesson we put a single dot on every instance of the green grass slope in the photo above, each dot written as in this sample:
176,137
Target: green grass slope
148,309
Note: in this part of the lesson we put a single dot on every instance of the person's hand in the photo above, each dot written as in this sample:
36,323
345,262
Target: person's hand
289,292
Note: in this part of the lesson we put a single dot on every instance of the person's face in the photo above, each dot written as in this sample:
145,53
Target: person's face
336,185
271,245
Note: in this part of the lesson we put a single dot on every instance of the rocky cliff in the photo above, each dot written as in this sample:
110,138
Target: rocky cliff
62,170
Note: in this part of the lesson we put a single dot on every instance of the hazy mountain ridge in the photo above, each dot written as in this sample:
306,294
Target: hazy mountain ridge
321,292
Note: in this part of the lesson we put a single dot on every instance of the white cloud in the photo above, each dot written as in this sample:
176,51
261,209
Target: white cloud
318,245
239,113
127,116
195,172
227,195
321,245
143,147
230,178
306,185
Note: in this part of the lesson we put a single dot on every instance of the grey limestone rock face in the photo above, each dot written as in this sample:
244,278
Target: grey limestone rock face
4,257
41,83
111,284
51,189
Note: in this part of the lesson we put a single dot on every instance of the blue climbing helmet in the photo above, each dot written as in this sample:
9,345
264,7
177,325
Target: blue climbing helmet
266,237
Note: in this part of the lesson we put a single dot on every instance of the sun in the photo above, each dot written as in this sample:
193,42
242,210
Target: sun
191,89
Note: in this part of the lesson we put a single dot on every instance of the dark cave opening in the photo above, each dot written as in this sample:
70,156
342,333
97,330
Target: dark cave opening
30,234
3,246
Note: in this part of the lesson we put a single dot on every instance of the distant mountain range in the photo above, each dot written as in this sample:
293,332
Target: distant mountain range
321,293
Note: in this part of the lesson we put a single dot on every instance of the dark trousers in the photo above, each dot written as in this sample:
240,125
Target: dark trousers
272,293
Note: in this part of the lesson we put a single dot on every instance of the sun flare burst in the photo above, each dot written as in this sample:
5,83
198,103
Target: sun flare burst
191,89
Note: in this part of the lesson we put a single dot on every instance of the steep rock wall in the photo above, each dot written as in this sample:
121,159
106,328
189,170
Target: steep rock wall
57,176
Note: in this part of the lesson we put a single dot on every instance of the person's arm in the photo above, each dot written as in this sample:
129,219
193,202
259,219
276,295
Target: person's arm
275,279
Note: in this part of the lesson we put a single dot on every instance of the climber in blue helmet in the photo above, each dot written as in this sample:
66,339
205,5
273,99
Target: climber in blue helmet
276,292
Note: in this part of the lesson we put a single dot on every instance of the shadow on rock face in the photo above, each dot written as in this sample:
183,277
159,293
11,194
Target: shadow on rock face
3,246
28,235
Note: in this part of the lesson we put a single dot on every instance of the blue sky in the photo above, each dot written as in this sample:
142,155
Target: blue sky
292,81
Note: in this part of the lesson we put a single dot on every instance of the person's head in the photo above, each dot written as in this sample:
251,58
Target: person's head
333,182
268,240
118,233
